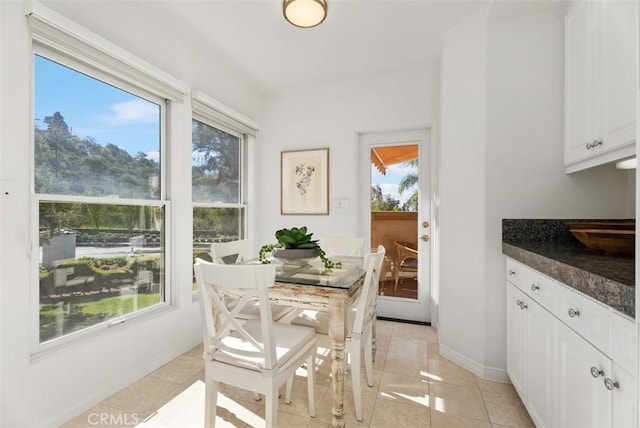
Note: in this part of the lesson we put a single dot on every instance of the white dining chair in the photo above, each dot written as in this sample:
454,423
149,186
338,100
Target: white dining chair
258,355
238,252
341,245
361,326
231,252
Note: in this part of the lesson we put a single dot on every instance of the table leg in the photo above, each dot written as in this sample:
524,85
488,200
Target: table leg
337,334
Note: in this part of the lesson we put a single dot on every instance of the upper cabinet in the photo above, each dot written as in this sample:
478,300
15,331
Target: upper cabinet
601,51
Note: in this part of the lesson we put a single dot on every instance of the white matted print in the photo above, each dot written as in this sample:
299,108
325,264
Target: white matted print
304,182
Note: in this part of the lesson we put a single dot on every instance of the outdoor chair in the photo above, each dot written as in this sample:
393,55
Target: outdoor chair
407,261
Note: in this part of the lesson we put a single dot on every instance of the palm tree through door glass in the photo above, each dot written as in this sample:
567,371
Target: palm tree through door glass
394,216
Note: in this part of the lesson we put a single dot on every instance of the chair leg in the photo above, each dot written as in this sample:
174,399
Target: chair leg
287,395
271,408
368,358
311,381
356,351
374,340
211,402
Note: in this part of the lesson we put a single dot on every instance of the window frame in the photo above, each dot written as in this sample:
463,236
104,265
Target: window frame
243,204
212,113
58,39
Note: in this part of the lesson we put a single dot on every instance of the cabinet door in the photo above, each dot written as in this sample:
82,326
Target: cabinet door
582,400
541,332
619,55
515,338
579,83
624,399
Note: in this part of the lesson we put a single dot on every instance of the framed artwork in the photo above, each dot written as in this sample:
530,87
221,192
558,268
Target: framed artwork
304,182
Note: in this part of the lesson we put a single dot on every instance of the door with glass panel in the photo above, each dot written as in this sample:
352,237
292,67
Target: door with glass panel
394,176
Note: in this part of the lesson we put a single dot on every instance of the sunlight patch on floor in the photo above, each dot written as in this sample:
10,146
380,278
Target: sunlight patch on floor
187,410
422,400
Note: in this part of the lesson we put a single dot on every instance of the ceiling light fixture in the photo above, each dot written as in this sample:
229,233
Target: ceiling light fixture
304,13
627,164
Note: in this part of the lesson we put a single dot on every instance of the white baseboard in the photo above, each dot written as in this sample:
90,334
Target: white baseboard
127,377
484,372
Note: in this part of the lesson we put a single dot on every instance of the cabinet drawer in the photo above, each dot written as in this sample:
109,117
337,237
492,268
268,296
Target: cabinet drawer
623,341
516,273
584,315
539,287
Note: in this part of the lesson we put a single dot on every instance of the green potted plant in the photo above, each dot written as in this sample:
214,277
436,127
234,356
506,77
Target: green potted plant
295,245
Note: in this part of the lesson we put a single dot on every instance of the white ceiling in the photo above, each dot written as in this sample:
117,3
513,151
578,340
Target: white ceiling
359,37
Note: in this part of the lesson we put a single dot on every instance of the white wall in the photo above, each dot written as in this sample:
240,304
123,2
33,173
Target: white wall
330,116
517,169
463,192
57,386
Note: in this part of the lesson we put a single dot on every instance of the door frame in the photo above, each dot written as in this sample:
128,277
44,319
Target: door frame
367,138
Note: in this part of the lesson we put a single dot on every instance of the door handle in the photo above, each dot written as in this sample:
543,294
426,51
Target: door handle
425,238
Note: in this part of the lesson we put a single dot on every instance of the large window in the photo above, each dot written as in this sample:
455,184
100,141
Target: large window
99,190
219,209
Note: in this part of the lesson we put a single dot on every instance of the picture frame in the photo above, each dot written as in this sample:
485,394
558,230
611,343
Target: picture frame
304,182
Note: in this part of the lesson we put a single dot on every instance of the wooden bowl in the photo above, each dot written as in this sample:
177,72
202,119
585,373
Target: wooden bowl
614,242
608,225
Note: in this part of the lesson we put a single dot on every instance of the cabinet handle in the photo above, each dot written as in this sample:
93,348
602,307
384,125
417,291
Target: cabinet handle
512,272
594,144
610,384
596,372
522,304
574,312
535,287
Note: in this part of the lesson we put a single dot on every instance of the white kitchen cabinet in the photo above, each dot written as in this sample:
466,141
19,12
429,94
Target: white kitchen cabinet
623,396
516,348
600,82
540,350
570,371
530,354
624,341
582,399
588,318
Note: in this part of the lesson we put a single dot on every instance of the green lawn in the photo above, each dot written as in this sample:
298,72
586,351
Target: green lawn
57,320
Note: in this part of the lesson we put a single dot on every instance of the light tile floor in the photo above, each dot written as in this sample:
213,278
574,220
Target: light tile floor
414,387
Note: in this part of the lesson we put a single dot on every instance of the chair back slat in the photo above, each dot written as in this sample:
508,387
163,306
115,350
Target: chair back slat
341,245
222,287
231,252
366,302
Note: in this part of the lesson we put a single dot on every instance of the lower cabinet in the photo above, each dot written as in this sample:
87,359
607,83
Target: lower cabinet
540,353
563,379
583,400
530,346
625,404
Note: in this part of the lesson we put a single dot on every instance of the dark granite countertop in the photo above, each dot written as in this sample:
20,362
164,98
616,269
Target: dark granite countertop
546,246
